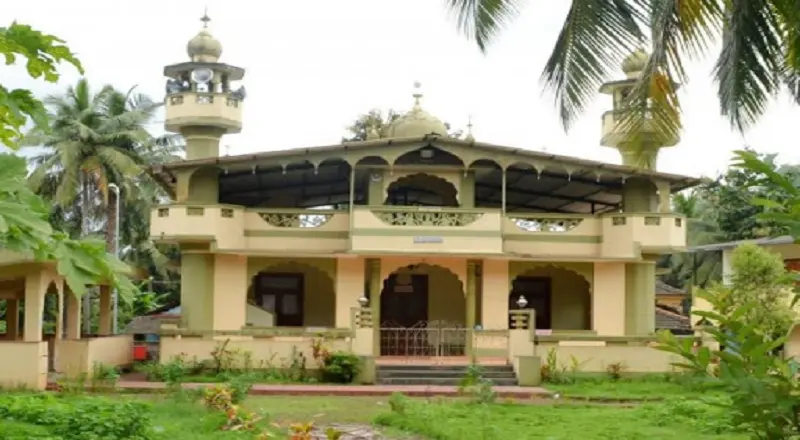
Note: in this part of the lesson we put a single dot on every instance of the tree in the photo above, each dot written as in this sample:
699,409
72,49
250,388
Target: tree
375,119
694,269
751,318
773,179
24,226
760,53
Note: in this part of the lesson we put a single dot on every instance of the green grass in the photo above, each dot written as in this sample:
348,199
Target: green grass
641,388
656,421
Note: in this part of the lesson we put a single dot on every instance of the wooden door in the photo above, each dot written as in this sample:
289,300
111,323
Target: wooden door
282,295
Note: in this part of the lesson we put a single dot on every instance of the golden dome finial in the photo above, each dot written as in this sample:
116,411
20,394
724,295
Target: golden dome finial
417,93
204,48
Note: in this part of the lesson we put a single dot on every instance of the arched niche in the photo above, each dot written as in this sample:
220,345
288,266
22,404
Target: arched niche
422,189
423,310
560,293
288,288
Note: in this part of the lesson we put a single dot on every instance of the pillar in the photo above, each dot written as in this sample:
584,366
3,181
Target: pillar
229,293
104,314
608,299
349,288
197,284
495,291
640,298
375,302
60,313
638,195
12,319
73,315
35,288
471,303
466,194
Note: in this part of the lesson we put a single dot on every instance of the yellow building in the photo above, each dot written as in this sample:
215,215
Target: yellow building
410,244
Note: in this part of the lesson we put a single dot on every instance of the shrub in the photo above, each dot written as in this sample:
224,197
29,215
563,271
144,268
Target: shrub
614,370
104,377
239,387
341,367
79,418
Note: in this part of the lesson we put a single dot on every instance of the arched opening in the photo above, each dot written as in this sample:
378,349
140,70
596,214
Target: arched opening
421,189
293,294
560,297
423,309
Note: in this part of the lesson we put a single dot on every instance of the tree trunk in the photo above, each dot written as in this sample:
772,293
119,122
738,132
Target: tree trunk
111,240
86,301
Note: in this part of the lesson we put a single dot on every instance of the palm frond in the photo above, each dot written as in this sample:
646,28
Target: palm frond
595,38
481,20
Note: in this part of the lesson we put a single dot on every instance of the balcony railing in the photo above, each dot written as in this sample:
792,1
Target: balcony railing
420,229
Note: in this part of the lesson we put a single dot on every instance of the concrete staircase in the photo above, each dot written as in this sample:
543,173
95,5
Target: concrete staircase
449,375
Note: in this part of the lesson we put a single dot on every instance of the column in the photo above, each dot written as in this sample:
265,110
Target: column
105,315
640,298
608,299
60,313
12,319
73,315
466,194
471,303
35,287
228,295
350,281
197,284
495,289
375,302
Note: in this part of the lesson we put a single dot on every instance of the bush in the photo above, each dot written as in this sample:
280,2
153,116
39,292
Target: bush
79,418
340,367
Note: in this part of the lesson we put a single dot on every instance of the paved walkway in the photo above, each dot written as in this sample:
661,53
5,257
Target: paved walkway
349,390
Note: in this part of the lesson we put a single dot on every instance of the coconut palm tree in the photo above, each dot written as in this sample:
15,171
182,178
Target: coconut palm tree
95,140
760,51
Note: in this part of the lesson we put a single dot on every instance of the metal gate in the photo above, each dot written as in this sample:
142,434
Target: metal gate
424,339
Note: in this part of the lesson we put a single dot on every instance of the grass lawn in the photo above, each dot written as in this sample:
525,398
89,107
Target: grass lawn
641,388
655,421
679,416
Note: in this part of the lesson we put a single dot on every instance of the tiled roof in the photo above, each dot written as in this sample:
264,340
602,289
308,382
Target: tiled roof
663,288
669,320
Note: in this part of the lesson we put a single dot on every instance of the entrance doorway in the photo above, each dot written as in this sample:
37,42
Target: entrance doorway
537,291
404,316
282,295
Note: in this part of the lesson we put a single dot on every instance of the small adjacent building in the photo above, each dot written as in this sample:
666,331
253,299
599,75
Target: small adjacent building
411,244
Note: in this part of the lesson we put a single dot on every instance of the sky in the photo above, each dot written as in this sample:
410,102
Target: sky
312,66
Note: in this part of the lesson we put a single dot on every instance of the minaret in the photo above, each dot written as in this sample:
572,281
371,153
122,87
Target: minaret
643,151
200,102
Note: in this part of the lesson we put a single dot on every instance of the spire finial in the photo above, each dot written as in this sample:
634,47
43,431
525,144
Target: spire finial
205,18
417,93
470,137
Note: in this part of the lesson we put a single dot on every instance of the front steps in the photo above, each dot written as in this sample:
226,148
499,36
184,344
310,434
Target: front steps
449,375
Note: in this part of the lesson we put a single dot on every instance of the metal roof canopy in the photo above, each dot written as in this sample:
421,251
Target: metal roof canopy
257,180
769,241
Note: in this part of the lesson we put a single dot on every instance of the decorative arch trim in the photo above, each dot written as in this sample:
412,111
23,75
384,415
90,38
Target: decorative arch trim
400,267
401,178
526,268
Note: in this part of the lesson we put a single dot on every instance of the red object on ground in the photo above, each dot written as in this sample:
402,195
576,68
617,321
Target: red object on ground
139,352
